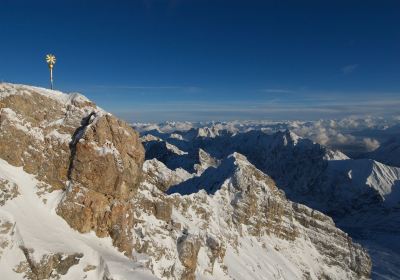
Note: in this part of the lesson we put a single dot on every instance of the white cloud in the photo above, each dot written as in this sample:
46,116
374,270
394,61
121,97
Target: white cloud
325,132
371,144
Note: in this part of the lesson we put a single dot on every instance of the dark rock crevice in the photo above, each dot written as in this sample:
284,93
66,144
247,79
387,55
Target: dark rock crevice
75,138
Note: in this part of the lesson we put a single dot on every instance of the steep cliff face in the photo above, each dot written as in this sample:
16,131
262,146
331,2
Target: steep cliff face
254,207
60,153
104,173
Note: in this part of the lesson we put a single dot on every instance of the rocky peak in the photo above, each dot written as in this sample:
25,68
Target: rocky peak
161,176
288,137
253,206
205,161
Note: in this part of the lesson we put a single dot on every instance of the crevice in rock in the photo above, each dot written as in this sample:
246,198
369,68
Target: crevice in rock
75,138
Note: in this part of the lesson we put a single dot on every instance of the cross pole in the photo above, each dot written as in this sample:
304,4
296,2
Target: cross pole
51,60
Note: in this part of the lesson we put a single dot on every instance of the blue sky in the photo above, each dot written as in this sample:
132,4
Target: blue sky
155,60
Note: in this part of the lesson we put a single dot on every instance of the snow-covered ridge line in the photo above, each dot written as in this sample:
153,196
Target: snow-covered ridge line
7,89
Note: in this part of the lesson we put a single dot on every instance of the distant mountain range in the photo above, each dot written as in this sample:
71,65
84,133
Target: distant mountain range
85,196
360,194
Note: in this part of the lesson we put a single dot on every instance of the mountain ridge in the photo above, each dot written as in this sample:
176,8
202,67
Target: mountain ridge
85,175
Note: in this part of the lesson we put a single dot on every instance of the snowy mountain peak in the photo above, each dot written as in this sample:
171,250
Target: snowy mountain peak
239,158
388,152
361,195
290,137
245,193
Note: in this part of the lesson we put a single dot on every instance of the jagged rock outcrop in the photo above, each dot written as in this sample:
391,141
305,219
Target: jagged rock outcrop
107,157
188,250
72,145
7,230
51,266
205,161
161,176
8,191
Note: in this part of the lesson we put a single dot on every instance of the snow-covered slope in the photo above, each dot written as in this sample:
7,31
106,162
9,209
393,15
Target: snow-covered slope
388,152
260,232
346,189
364,176
36,241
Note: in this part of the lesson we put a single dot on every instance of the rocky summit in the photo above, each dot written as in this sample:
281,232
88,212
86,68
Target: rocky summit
79,201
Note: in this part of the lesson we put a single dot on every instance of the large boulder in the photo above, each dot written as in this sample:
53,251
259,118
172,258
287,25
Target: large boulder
107,157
